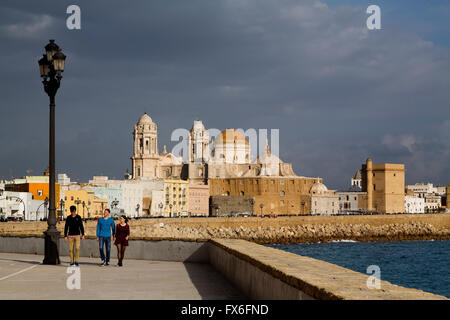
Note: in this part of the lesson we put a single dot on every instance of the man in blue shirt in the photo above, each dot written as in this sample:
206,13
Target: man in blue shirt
105,234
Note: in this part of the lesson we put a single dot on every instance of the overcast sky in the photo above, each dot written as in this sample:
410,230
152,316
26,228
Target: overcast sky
338,92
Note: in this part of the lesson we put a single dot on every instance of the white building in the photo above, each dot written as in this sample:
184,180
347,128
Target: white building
414,204
432,202
421,189
323,201
133,191
15,204
349,200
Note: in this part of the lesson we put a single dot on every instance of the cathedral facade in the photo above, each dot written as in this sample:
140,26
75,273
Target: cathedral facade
226,156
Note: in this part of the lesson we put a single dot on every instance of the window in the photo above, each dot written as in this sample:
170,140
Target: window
281,181
395,174
242,193
282,202
282,193
374,187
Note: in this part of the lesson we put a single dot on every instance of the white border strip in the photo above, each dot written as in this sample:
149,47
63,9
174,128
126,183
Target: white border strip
19,272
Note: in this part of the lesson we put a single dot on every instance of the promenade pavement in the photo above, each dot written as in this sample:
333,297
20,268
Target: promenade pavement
23,276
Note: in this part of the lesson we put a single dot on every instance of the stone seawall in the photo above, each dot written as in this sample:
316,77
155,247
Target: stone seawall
272,230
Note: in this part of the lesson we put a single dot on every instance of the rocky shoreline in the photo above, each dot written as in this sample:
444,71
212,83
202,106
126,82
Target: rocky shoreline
292,230
301,233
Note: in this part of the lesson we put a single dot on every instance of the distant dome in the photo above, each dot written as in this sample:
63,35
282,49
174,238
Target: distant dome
318,188
231,136
145,119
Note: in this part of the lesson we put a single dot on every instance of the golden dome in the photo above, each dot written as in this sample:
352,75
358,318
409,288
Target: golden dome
231,136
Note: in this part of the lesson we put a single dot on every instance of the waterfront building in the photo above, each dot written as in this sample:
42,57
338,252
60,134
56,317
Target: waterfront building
272,195
112,196
16,204
323,201
385,187
77,198
448,198
350,200
414,204
432,202
421,189
198,200
38,186
176,195
127,195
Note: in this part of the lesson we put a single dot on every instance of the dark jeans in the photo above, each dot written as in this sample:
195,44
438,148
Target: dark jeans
105,241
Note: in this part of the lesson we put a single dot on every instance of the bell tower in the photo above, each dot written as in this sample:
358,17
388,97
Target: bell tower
145,154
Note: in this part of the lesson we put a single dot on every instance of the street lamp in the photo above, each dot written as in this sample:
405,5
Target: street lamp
84,204
261,206
46,208
61,207
160,208
77,202
50,67
170,213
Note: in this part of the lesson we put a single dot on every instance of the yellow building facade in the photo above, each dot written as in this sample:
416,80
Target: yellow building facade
272,195
176,197
77,198
385,187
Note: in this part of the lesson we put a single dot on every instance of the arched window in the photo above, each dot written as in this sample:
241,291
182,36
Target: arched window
242,193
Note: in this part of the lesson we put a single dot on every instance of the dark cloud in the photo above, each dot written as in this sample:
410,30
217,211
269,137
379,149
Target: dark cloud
338,92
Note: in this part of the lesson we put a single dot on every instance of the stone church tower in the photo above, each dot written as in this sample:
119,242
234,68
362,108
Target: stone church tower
145,156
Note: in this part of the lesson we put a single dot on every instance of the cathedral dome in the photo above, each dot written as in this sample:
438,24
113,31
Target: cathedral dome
318,188
145,119
231,136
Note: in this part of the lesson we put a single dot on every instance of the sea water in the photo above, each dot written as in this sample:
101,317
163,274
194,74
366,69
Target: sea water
423,265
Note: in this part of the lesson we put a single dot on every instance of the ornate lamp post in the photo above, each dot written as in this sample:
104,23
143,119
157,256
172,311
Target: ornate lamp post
46,208
160,208
84,205
61,207
50,66
261,206
170,213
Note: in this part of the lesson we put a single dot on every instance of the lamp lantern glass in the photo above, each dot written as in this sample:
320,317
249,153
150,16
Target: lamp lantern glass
51,49
43,66
58,61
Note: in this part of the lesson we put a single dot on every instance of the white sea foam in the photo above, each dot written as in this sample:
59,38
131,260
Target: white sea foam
343,240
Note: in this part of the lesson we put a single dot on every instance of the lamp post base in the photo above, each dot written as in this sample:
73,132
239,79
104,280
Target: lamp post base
51,247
